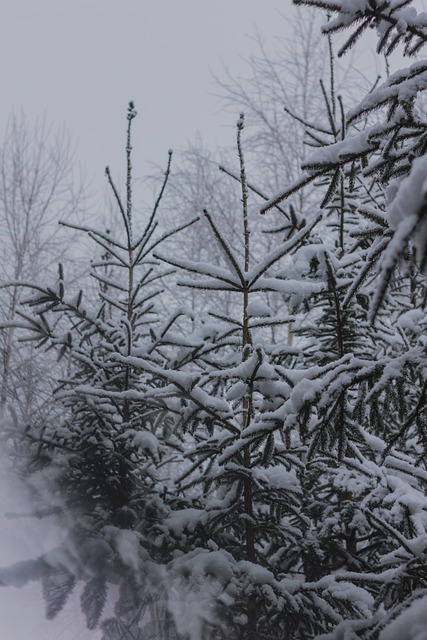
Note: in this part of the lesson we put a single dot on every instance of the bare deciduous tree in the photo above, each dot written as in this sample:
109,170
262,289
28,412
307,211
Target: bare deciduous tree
38,186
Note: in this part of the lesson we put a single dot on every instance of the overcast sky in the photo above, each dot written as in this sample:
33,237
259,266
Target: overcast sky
81,61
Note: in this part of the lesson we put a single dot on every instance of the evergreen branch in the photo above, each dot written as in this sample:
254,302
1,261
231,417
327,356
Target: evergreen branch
148,297
296,186
246,233
327,5
227,319
329,109
167,235
332,75
251,187
275,255
315,141
142,242
373,257
158,200
307,124
343,120
333,288
119,202
226,248
183,388
164,331
354,37
104,244
199,268
106,281
383,525
332,188
373,215
392,255
130,116
207,286
94,233
121,306
409,420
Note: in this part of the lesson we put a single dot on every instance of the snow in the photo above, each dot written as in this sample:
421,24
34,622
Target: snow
258,309
407,212
182,519
300,288
411,471
128,546
227,276
195,582
404,500
411,194
413,320
305,391
305,257
210,387
274,256
237,391
353,11
401,86
348,591
277,477
345,150
411,624
144,440
351,481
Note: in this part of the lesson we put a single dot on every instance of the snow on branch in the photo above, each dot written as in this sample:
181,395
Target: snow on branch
394,20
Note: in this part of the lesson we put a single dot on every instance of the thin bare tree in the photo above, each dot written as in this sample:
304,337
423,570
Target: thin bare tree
38,186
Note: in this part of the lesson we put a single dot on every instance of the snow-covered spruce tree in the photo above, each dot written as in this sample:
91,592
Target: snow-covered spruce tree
287,74
98,466
241,532
387,452
196,185
393,147
329,331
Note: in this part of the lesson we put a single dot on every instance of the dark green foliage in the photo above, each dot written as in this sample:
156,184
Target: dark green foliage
57,586
93,600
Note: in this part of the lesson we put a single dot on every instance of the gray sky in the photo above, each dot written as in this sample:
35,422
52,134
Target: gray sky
81,61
